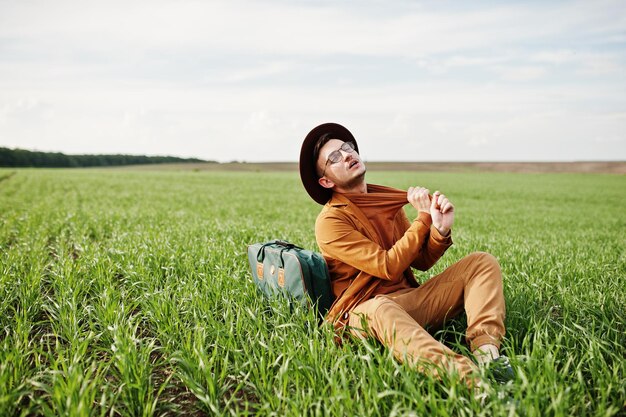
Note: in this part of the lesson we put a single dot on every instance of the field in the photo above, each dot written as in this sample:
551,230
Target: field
128,293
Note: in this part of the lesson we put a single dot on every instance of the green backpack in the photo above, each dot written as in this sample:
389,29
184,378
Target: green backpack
281,268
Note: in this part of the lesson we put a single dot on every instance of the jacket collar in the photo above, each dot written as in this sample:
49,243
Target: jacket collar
340,200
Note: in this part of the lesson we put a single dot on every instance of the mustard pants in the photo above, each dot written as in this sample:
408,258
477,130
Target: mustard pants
397,320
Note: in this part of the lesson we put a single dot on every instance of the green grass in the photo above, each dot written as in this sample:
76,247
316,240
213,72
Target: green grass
129,293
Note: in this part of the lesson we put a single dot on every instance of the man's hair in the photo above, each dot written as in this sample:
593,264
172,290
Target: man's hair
316,150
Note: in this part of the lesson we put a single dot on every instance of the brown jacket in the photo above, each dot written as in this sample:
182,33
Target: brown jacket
356,261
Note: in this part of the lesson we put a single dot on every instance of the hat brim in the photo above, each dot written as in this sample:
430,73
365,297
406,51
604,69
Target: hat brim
308,173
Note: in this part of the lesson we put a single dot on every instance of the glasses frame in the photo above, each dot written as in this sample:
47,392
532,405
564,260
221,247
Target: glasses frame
335,156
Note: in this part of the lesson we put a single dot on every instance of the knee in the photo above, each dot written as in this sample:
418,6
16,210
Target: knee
484,262
485,258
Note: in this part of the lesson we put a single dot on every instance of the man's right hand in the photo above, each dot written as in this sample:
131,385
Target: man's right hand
418,197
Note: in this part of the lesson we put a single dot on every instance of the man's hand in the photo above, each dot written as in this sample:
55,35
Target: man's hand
418,197
442,213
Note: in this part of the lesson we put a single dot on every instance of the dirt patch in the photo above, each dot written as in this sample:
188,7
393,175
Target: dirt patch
578,167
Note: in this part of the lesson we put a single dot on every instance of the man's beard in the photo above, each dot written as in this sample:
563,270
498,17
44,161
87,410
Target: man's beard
353,182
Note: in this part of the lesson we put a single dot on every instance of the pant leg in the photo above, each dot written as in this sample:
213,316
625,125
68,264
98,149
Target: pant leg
390,324
473,283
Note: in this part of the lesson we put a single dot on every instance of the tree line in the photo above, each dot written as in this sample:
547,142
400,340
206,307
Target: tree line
25,158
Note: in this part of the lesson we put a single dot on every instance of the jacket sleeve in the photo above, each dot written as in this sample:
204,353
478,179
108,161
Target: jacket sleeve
433,247
338,238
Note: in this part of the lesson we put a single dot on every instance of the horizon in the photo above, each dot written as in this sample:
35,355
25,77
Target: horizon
235,161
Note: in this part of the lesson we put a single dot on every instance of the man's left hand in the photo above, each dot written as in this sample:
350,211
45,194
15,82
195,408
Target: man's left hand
442,213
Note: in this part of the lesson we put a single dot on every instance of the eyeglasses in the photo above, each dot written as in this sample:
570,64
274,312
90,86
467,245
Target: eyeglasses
335,156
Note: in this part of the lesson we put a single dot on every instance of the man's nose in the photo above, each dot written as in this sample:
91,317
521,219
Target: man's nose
346,155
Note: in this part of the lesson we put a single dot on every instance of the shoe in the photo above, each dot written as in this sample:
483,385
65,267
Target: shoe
500,370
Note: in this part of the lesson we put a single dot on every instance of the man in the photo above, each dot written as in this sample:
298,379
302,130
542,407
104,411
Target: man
370,246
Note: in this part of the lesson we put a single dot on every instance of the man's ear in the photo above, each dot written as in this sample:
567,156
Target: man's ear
325,182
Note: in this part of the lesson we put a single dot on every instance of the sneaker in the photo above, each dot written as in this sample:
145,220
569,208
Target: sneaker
500,370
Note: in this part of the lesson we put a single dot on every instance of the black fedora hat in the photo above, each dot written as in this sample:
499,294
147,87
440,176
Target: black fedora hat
308,173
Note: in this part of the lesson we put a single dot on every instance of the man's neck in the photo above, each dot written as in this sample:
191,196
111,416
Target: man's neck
358,188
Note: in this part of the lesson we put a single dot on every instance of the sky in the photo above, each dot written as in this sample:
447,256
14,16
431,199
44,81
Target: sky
247,80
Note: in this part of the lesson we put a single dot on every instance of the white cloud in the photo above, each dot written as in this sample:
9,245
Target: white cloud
258,72
610,139
477,141
522,73
277,28
602,65
556,57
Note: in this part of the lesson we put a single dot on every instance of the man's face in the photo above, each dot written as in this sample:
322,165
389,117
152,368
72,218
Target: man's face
350,169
